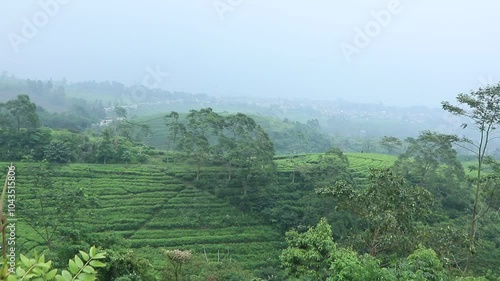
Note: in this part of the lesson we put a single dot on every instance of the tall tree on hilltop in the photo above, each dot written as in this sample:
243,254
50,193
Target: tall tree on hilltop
247,146
174,126
482,109
391,144
203,127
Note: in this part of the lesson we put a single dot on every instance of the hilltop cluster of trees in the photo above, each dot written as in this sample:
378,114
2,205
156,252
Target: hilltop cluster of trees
234,141
294,137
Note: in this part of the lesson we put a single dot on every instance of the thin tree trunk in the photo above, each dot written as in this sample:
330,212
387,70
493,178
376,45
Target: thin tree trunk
198,169
483,143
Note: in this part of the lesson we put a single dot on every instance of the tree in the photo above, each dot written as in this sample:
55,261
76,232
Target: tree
130,130
422,265
65,147
431,162
245,145
391,144
201,132
19,113
482,109
175,128
24,144
58,151
328,168
296,203
313,255
388,206
105,148
309,253
120,112
428,153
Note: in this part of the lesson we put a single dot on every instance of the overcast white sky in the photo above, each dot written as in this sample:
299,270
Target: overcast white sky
427,51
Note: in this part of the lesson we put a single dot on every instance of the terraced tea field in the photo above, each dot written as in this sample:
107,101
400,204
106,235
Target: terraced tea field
359,163
153,208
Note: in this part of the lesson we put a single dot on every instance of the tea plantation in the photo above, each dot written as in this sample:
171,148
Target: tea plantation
160,206
155,207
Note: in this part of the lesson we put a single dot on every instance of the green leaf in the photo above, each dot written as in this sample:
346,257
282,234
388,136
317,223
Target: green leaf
88,269
37,271
73,268
67,276
26,262
86,277
43,265
51,274
5,269
100,256
78,262
20,271
93,251
85,256
28,276
95,263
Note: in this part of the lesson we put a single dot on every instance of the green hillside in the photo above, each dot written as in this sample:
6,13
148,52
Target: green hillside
153,207
161,206
157,206
359,163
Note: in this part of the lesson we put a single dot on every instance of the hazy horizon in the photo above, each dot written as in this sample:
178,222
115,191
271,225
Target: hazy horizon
407,52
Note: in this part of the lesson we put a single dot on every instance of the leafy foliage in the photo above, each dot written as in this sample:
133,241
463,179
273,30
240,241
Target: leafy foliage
309,253
19,113
313,255
389,208
431,162
391,144
82,267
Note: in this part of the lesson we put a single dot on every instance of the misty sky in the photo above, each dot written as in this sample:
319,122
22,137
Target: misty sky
417,52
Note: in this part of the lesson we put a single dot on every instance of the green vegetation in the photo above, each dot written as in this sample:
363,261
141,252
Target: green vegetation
218,204
148,206
82,267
